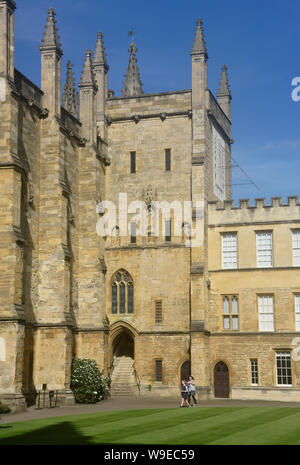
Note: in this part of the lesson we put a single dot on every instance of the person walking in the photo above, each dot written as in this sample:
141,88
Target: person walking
192,390
184,394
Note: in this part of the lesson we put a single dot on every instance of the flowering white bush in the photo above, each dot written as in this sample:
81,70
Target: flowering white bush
87,381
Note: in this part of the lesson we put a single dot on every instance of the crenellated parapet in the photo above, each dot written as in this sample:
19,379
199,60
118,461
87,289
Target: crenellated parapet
227,213
161,105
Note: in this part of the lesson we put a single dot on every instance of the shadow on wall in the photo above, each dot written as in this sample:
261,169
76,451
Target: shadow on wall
60,434
123,345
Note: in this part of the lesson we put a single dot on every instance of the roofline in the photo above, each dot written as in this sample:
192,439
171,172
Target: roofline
187,91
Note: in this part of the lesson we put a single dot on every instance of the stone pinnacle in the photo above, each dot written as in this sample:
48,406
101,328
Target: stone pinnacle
132,85
199,47
51,38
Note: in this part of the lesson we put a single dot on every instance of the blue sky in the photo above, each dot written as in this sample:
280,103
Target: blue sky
258,41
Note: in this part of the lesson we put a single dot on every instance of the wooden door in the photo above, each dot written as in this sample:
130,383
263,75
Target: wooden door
221,380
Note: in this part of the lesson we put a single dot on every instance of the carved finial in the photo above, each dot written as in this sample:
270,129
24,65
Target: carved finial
70,95
224,89
51,38
100,55
87,76
132,85
199,47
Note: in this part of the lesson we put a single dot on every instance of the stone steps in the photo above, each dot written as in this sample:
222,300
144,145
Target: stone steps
122,379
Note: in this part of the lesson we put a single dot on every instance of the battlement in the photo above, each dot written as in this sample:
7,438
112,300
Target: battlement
276,211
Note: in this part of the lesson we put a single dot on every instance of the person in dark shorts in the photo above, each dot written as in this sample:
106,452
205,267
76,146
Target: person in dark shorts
192,390
184,394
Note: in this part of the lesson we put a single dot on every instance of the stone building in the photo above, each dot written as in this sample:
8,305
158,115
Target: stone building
147,307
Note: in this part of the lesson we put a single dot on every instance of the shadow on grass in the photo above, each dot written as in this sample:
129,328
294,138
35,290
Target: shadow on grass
60,434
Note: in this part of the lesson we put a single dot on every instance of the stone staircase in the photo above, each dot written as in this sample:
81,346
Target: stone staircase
123,382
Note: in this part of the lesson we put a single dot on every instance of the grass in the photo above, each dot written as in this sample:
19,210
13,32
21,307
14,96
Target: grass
217,425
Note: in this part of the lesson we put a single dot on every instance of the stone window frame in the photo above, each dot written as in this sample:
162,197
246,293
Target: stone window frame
230,315
254,372
296,247
260,320
168,230
122,280
158,370
158,311
297,311
229,263
133,232
287,371
168,164
133,162
264,250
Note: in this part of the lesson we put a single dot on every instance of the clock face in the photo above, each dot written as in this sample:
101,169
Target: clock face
219,151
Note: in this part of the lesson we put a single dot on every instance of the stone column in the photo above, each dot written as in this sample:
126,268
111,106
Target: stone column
199,192
91,320
54,334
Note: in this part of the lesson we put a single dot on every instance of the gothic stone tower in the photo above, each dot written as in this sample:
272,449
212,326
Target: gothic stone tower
161,148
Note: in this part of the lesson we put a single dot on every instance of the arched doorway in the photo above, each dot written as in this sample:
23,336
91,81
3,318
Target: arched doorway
123,344
221,380
185,371
123,373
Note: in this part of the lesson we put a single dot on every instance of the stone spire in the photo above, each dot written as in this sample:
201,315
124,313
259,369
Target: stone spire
100,55
224,93
51,54
88,90
100,69
70,94
51,38
199,47
87,76
224,89
132,86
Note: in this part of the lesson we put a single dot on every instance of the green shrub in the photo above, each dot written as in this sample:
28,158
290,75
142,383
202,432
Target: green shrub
4,408
87,382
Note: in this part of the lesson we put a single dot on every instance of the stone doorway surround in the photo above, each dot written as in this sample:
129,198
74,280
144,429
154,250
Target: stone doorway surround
221,380
121,341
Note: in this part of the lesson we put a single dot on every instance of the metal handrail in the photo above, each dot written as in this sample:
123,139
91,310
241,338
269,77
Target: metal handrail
112,366
137,379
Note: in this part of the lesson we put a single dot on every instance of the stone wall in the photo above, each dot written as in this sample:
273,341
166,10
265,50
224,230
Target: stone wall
247,282
163,123
237,350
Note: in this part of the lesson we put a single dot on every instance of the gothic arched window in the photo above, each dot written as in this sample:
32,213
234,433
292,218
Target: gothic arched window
122,292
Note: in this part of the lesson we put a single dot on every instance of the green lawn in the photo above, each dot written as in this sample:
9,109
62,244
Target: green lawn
228,425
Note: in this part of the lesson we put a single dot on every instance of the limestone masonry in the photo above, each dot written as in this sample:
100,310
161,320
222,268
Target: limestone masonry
150,309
